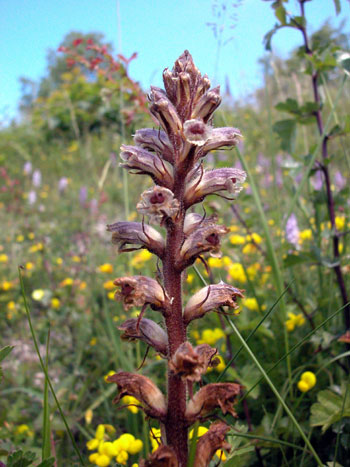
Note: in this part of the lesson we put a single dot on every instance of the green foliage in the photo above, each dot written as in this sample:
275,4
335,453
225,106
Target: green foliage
3,354
24,459
330,407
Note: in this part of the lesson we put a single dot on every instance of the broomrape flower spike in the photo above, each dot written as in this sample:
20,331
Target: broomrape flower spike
173,157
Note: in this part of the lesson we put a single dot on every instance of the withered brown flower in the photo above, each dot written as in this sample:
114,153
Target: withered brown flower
212,396
143,389
139,291
210,442
155,140
163,456
211,298
191,363
147,331
136,233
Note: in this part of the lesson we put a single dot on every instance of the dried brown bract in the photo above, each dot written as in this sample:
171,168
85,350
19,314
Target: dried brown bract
212,396
143,389
164,456
210,442
191,363
139,291
211,298
147,331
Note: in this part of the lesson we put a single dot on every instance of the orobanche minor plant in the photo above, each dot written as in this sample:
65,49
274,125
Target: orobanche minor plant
173,158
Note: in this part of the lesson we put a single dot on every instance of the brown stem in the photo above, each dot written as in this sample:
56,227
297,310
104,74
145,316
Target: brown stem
330,199
175,424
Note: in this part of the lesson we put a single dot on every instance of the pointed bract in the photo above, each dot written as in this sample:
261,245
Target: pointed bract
137,291
147,331
210,442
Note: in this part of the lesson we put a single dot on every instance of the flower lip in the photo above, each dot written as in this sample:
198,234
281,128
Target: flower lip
159,204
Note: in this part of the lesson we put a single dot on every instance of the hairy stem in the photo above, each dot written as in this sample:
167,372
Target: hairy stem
175,426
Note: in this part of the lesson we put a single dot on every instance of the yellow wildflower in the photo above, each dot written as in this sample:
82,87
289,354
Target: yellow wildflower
294,320
22,429
88,416
201,431
4,258
135,447
55,303
92,444
102,460
59,261
6,285
93,457
190,278
19,238
339,222
93,341
38,294
305,235
249,248
254,237
139,259
68,281
29,266
251,304
237,239
100,432
307,381
106,267
109,285
215,262
111,295
76,259
237,273
252,270
82,285
31,236
133,402
110,373
11,306
271,222
122,457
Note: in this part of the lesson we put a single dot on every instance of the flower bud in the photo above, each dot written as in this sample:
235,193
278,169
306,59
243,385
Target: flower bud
210,397
147,331
164,112
211,298
191,363
204,239
207,104
159,204
145,162
139,291
212,181
155,141
143,389
210,442
136,233
163,456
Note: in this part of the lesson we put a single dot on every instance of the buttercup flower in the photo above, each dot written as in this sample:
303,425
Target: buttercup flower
307,381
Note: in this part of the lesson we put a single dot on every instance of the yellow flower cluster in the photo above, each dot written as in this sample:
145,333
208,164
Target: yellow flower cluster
119,449
106,267
140,259
4,258
294,321
37,247
250,303
154,436
307,381
209,336
201,431
24,430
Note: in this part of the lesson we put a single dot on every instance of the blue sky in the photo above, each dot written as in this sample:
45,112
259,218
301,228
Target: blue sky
159,30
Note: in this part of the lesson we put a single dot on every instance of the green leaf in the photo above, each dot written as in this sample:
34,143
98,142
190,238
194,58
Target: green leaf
330,408
290,105
300,258
280,14
20,459
286,130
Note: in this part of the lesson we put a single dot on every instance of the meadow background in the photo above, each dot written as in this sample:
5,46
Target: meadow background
61,183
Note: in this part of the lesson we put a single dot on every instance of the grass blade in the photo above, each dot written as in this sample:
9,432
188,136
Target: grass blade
46,447
45,371
277,394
